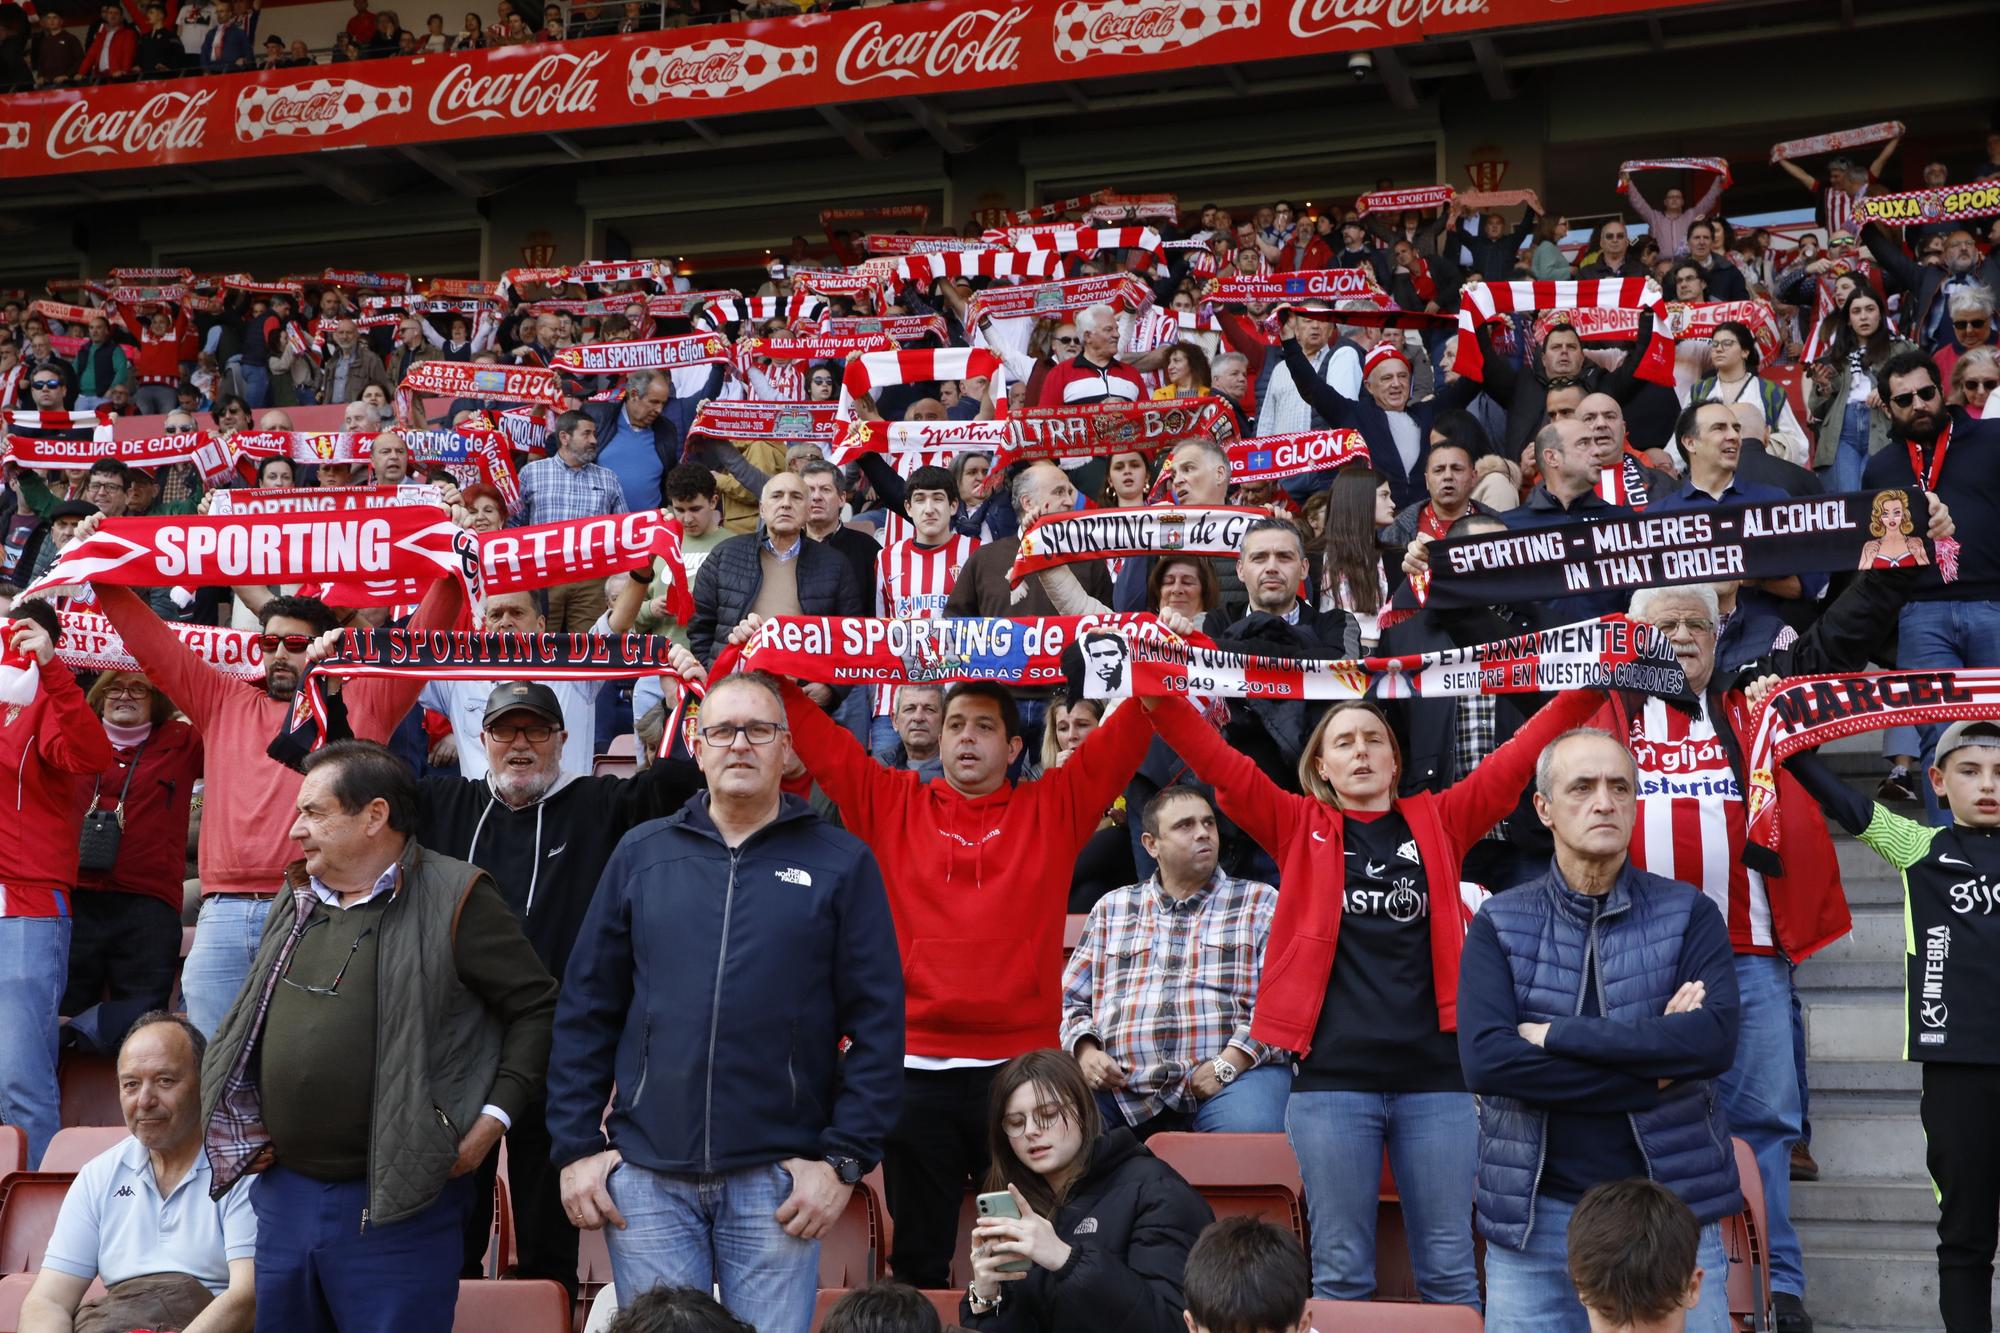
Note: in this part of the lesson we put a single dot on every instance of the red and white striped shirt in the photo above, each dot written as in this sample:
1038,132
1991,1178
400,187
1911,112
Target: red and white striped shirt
1691,817
912,582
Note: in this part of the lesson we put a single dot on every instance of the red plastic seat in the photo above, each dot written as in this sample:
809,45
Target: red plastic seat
13,1150
593,1262
530,1305
1745,1240
1253,1175
28,1218
1073,930
1392,1317
74,1146
14,1289
851,1253
89,1086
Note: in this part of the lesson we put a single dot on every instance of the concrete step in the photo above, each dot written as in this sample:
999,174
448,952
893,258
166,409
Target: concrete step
1894,1080
1892,1205
1863,1286
1866,877
1854,1025
1877,936
1820,977
1867,1140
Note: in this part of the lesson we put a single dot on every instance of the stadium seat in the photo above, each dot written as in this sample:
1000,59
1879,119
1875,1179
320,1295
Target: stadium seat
1073,930
13,1150
1239,1175
617,766
1392,1317
14,1289
89,1086
28,1218
1744,1241
593,1262
526,1306
961,1251
74,1146
851,1254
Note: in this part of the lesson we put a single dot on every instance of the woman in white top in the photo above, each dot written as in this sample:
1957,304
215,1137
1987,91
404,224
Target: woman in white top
193,23
1732,352
1353,577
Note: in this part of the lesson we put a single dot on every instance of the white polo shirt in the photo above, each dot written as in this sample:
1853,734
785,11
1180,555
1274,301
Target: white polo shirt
115,1226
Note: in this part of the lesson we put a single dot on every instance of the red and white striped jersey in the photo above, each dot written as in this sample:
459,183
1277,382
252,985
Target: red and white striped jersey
912,582
1691,818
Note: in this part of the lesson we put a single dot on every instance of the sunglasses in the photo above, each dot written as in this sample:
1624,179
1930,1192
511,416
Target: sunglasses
291,643
1923,395
1068,342
1982,386
1969,323
45,384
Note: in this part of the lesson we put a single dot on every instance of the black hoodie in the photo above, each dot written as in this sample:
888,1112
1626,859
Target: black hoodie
1129,1223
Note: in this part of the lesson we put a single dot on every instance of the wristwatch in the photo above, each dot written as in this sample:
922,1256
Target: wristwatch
846,1168
1225,1073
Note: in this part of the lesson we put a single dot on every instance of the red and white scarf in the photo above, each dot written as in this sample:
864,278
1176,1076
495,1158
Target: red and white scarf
897,328
1098,430
874,371
439,378
788,422
91,643
1715,166
1084,240
1881,132
1100,534
1056,208
319,499
921,270
821,347
1418,198
929,440
1947,203
1052,299
302,446
1492,300
210,455
622,358
1297,454
97,422
900,243
798,309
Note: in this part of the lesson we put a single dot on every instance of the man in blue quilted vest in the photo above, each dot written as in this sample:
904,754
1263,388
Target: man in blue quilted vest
1597,1007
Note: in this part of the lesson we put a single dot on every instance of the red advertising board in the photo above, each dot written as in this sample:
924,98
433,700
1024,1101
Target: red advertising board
768,64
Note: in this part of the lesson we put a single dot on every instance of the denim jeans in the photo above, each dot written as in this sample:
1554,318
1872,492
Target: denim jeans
1799,1059
256,383
1432,1138
34,967
1529,1291
1850,456
225,945
1761,1095
1945,634
855,712
1252,1104
882,738
154,399
714,1230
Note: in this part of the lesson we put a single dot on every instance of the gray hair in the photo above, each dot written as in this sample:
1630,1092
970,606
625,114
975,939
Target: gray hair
1210,450
1096,317
638,382
1017,489
915,687
1545,762
1227,359
154,1017
1974,300
1644,600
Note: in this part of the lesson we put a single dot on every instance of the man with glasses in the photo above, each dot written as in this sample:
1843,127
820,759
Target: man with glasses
1948,452
394,1023
1614,254
48,390
248,798
728,950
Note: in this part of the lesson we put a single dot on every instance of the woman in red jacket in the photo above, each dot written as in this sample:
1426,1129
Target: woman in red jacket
1361,977
125,938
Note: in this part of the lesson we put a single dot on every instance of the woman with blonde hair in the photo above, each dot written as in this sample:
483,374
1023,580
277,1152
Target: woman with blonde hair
1894,545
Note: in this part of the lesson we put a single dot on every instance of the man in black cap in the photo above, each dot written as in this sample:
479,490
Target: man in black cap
544,835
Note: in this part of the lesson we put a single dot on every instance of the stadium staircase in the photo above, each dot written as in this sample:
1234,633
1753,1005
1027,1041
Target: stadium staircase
1868,1226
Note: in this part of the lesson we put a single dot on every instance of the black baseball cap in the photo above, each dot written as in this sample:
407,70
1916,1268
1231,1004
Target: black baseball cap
515,696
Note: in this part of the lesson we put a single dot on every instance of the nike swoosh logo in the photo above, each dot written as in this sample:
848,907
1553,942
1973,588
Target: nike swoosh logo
1375,869
1321,837
1944,860
556,851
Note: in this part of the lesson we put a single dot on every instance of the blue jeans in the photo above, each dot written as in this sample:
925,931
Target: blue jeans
882,738
320,1271
855,712
34,967
1432,1139
1761,1095
714,1230
1945,634
1799,1059
256,383
1850,456
225,945
1253,1104
1529,1291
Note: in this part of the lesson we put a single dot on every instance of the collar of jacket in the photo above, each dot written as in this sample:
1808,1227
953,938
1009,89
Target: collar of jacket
694,817
1579,907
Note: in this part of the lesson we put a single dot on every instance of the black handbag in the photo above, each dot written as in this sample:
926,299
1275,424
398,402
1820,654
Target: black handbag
103,830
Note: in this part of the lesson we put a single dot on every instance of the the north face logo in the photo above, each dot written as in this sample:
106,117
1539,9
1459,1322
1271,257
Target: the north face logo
1087,1227
794,875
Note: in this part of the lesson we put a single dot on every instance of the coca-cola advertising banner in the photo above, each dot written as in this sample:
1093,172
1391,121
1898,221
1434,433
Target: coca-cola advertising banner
933,47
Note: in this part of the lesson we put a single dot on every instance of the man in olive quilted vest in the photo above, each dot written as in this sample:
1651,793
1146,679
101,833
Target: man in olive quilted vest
394,1022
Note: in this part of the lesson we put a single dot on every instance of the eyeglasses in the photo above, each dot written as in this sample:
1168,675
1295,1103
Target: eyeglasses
1694,624
45,384
137,690
1046,1116
536,733
291,643
103,486
1969,323
723,734
1923,395
1987,386
333,989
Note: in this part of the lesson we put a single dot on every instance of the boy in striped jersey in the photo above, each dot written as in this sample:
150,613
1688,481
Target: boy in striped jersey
1951,951
915,575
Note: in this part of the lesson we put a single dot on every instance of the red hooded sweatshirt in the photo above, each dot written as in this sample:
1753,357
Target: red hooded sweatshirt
978,885
42,744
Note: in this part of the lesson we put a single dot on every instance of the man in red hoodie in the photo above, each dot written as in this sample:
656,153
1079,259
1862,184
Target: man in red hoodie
978,870
43,741
248,798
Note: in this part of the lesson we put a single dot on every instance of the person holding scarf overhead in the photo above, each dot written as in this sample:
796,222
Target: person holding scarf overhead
1361,974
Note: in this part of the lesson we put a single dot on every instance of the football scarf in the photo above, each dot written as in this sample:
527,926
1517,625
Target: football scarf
91,643
407,543
921,270
1056,208
302,446
1053,299
20,673
786,422
320,499
1947,203
74,424
211,456
872,371
1762,540
1098,534
902,243
1808,711
1085,240
897,328
1420,198
1098,430
1494,300
907,439
798,309
1624,484
822,347
1113,207
1714,166
439,378
622,358
1614,652
1880,132
1297,454
1325,284
1684,320
925,650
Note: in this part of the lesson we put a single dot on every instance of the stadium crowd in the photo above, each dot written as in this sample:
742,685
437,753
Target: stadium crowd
1526,945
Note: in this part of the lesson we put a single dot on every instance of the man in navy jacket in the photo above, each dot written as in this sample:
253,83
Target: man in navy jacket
730,950
1597,1007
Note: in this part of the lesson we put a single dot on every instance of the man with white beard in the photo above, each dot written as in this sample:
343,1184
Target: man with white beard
544,836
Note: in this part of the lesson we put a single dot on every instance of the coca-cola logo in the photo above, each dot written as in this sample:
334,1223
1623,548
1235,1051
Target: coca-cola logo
556,84
164,123
1316,18
1156,21
719,67
976,41
312,110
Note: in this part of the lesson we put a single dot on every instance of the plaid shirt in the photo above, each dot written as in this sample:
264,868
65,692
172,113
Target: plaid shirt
1472,739
554,492
1164,986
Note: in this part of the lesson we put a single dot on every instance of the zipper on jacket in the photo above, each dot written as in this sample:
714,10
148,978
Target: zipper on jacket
791,1065
645,1060
715,1018
1631,1117
1542,1156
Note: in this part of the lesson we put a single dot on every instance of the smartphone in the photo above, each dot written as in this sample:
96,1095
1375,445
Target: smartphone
1001,1204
